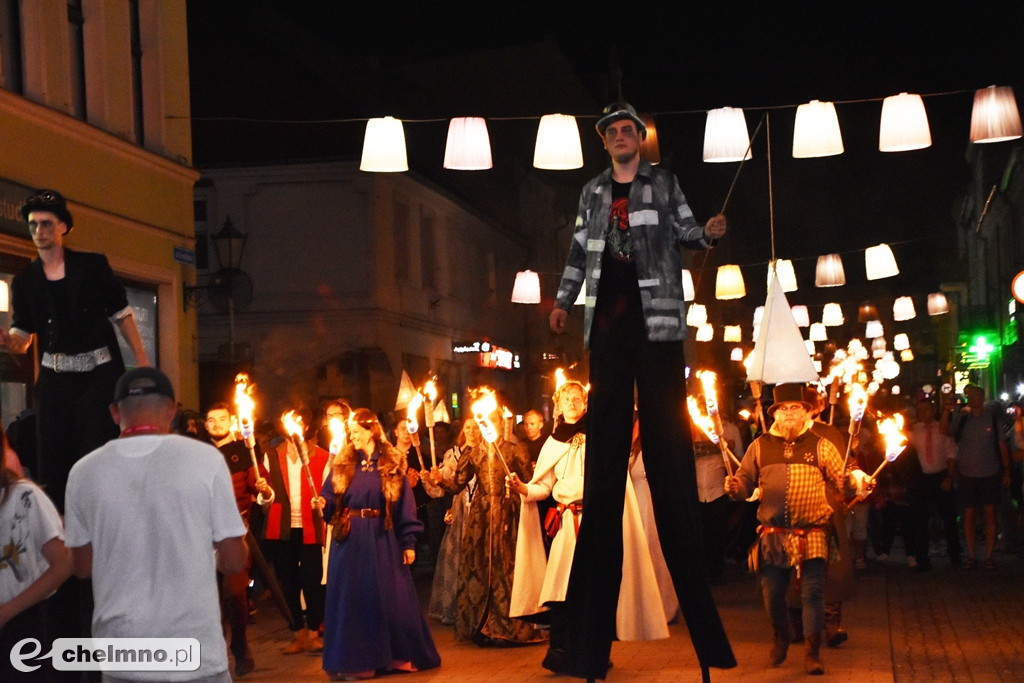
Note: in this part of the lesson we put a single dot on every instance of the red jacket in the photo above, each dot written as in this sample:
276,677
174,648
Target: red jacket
279,514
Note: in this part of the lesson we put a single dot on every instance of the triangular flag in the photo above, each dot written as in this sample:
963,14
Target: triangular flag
405,392
441,413
780,355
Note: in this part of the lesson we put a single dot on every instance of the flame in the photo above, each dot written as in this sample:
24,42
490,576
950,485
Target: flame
411,424
244,405
705,423
858,402
483,408
707,379
560,378
430,391
292,423
745,414
891,429
337,427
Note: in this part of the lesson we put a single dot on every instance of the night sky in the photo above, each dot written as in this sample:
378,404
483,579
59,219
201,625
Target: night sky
676,60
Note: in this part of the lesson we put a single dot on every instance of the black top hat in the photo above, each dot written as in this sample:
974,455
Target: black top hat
788,393
48,200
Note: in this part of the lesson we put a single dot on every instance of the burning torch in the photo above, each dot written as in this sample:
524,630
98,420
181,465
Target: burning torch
483,408
858,403
293,425
244,407
707,379
430,393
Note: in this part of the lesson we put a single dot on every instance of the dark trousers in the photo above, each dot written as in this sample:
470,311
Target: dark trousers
924,495
72,419
234,607
658,370
299,568
775,583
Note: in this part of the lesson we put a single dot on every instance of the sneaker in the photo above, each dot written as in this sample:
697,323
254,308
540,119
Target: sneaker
883,558
911,561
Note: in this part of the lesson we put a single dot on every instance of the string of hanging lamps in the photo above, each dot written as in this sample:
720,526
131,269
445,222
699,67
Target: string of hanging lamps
903,126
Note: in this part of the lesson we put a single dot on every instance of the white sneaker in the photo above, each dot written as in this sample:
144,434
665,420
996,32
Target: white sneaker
911,561
883,557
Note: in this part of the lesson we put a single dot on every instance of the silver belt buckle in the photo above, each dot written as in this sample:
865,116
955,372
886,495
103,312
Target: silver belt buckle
58,362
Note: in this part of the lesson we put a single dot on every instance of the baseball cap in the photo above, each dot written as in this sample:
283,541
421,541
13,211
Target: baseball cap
141,382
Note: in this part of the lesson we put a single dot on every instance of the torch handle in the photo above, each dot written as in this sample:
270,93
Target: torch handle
880,468
433,449
849,447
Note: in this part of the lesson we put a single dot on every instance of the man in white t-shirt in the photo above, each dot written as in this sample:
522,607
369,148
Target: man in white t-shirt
150,518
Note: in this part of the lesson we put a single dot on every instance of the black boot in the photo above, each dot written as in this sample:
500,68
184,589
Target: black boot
812,661
779,648
796,624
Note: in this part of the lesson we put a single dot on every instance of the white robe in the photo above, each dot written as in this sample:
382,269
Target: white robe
640,614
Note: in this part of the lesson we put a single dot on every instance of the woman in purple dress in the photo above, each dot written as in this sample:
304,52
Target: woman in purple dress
372,620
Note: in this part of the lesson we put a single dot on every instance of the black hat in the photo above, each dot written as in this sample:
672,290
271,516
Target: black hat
48,200
788,393
617,111
141,382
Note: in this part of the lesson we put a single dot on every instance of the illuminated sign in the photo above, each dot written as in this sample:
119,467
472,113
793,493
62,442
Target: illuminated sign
489,355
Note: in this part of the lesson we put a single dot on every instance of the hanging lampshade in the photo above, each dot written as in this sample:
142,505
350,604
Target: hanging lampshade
867,312
754,332
705,332
878,347
906,355
901,342
787,277
873,329
809,345
758,315
649,150
729,283
829,271
5,297
801,316
903,309
816,131
732,333
879,262
688,291
725,136
995,117
832,315
736,354
469,146
558,143
526,289
384,146
904,124
818,332
937,304
696,315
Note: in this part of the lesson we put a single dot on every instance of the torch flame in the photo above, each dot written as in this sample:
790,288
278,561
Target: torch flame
411,424
337,428
891,429
292,423
559,378
707,379
244,406
430,391
858,402
483,408
705,423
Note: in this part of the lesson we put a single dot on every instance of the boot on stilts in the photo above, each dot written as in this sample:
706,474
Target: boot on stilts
779,648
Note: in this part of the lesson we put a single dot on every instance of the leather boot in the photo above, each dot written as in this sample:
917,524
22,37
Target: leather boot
779,648
299,644
812,661
796,624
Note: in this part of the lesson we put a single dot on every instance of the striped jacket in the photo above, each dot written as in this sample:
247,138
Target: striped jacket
660,220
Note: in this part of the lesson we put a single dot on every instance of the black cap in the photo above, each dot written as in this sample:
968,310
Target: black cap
48,200
141,382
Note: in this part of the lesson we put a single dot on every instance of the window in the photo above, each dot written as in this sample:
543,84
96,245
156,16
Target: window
136,48
428,254
401,220
10,47
76,45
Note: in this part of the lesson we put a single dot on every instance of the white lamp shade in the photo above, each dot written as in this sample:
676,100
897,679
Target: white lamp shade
736,354
906,355
758,315
558,143
784,269
818,332
829,272
696,315
879,262
384,146
901,342
809,345
469,145
832,315
937,304
729,283
732,333
873,329
754,332
5,297
526,289
816,131
688,292
903,309
904,124
801,316
705,332
725,136
995,117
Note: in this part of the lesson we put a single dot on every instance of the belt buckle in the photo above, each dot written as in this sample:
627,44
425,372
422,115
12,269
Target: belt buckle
363,512
58,362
